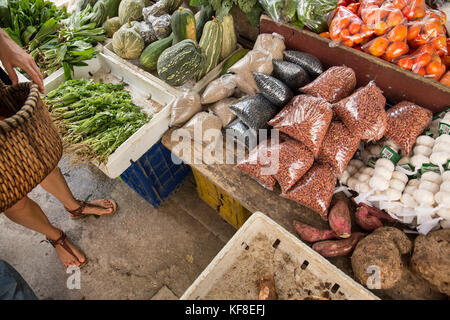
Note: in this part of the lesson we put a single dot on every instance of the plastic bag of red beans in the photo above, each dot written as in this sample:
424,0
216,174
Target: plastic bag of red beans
338,147
363,112
315,189
306,119
406,121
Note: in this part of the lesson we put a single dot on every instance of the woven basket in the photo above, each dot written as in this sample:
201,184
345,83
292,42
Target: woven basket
30,146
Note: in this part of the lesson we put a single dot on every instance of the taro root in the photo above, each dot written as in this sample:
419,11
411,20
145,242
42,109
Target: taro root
431,259
380,251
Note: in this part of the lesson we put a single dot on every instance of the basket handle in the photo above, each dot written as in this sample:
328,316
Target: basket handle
26,112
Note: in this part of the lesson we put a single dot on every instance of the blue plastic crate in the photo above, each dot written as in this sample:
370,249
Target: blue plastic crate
154,176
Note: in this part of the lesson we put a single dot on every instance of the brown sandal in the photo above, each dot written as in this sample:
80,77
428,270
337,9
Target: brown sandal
78,213
62,242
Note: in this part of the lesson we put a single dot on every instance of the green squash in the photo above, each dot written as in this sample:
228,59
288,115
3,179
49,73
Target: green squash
183,25
99,13
229,40
127,42
130,10
111,26
112,8
211,44
180,63
150,55
172,5
204,15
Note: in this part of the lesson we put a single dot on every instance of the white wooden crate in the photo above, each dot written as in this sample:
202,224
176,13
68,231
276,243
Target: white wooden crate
340,285
141,88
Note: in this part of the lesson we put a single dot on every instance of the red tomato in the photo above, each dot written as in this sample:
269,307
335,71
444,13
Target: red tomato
396,49
405,63
378,46
446,79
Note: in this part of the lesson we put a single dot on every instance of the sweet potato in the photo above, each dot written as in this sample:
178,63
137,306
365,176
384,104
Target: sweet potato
377,213
266,286
337,248
366,221
312,234
339,219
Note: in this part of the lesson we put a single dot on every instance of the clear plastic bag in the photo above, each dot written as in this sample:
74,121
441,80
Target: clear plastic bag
305,119
147,33
363,112
270,43
200,124
313,13
333,85
254,111
424,61
161,26
279,10
391,45
156,10
242,134
222,110
315,189
184,107
429,30
295,160
381,16
406,121
338,147
347,28
411,9
258,160
221,88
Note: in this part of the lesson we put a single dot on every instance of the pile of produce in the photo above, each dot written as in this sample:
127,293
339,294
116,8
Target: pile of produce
94,118
53,38
170,40
407,33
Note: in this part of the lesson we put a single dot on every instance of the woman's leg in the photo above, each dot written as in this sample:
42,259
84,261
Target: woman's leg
55,184
27,213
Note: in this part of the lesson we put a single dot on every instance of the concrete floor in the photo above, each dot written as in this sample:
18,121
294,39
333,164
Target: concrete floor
139,253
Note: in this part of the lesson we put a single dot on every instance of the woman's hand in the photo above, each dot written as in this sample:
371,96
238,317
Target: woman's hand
12,56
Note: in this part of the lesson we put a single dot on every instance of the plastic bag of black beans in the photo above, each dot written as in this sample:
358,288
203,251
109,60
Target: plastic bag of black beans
254,111
295,160
315,189
338,147
363,112
258,161
240,133
405,122
333,85
306,119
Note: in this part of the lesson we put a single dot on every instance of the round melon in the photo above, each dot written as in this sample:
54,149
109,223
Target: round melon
131,10
111,26
127,42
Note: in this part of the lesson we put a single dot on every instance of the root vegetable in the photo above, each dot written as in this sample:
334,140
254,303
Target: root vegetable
339,219
337,248
266,286
432,177
377,213
312,234
397,175
365,221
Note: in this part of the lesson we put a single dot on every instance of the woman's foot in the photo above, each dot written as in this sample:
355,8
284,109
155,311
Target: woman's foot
98,207
68,253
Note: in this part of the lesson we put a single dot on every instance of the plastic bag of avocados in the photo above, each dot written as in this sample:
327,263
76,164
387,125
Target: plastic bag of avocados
280,10
313,13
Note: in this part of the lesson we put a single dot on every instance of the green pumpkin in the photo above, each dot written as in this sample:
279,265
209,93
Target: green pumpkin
127,42
150,55
111,26
183,25
130,10
229,40
112,8
211,44
180,63
99,13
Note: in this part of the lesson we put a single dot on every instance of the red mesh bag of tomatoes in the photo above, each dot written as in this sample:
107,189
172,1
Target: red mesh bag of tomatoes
429,30
381,17
390,46
347,28
411,9
424,61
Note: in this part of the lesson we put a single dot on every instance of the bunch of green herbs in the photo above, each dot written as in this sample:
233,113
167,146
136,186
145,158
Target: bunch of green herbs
95,118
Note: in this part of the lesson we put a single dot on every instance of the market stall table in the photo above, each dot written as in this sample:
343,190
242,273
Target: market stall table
254,197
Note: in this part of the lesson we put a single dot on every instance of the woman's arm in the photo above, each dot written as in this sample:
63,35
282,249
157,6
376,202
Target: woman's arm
12,56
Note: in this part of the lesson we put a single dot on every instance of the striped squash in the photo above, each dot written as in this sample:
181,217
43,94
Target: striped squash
127,42
180,63
229,40
211,44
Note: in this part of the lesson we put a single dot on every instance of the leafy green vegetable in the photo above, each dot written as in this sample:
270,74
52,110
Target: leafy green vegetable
96,118
312,13
280,10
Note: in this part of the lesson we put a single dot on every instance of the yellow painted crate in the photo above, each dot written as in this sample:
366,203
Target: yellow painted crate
228,208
